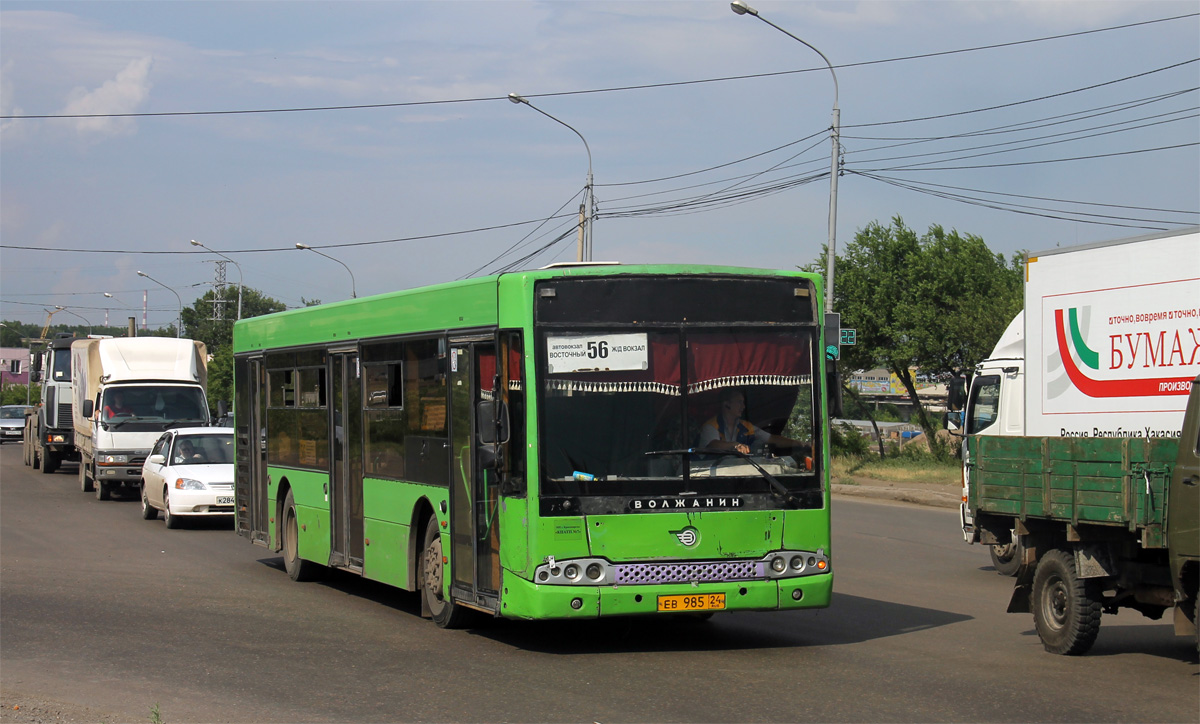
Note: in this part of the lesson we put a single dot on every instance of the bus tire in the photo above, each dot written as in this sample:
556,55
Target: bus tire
1006,559
84,484
1066,608
297,568
432,571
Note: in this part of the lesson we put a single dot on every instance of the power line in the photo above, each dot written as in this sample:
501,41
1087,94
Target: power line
616,89
1036,163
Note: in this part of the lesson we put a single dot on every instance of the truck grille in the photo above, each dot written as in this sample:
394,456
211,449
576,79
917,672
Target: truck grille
64,414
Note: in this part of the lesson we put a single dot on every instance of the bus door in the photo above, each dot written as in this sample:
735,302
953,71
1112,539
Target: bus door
474,489
250,415
345,473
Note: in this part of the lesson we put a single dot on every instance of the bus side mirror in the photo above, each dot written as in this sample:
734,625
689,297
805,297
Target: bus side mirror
491,420
833,388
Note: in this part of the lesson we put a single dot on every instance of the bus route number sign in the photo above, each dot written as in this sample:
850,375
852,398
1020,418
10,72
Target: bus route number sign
597,352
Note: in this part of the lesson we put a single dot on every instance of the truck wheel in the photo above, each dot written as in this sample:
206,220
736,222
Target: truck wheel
1006,559
1066,608
35,457
49,461
84,483
432,571
298,569
103,491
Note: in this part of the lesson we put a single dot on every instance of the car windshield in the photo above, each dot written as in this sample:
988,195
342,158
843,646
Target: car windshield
202,449
619,408
12,413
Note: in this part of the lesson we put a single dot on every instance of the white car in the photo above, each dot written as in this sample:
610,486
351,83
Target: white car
12,423
189,473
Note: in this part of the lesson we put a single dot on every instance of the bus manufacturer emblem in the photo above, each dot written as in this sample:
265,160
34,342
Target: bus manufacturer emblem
688,536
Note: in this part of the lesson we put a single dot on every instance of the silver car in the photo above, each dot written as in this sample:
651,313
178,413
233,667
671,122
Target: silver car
12,422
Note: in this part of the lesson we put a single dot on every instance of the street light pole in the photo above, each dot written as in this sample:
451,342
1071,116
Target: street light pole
584,252
179,329
85,321
353,291
742,8
231,261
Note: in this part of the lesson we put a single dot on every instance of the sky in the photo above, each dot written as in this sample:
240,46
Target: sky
1029,124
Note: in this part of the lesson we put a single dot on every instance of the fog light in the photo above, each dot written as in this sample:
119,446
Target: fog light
543,576
797,594
595,572
778,564
576,603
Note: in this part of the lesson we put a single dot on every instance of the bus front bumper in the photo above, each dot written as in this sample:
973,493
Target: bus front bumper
528,600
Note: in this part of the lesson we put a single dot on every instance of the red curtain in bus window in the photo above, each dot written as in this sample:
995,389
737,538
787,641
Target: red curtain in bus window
661,376
486,363
747,358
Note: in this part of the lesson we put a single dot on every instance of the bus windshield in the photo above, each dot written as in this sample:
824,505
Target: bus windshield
639,412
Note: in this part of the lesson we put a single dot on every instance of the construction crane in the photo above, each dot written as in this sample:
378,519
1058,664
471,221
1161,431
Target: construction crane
49,314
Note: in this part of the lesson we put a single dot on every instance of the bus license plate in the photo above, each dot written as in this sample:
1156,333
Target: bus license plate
694,602
225,500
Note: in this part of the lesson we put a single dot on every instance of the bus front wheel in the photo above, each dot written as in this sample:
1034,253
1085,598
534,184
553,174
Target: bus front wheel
298,569
445,613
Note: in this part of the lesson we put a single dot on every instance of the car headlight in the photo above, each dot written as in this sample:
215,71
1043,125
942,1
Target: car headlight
189,484
114,460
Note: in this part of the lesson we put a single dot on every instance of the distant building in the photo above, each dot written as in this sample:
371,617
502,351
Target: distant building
14,366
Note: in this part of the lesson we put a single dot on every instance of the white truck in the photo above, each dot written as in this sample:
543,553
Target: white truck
1106,346
126,391
47,438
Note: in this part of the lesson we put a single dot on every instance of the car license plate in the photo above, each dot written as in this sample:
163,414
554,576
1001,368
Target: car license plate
692,602
226,500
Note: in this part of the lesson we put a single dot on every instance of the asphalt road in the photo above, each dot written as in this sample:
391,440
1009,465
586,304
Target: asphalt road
104,616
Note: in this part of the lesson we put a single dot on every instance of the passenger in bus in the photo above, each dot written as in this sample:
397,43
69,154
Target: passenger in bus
727,430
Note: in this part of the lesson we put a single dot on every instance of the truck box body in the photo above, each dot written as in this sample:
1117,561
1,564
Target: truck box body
1112,337
161,381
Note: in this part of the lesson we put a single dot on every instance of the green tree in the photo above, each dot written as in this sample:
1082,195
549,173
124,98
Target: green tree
937,302
200,322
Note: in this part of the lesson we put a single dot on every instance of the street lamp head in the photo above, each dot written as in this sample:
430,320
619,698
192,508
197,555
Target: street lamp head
516,98
742,8
108,295
141,274
196,243
302,246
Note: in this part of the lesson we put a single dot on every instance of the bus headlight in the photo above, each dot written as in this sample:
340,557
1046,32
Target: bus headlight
579,572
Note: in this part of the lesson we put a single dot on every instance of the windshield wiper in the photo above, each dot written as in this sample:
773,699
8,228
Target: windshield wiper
778,489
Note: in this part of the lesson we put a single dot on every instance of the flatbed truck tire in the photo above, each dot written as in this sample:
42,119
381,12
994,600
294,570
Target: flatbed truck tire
1066,608
49,462
84,484
1006,559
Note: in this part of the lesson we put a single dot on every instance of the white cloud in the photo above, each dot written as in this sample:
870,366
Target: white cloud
123,94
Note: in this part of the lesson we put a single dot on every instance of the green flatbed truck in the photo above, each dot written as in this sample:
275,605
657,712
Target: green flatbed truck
1103,524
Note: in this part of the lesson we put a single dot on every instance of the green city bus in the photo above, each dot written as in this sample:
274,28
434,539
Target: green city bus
527,445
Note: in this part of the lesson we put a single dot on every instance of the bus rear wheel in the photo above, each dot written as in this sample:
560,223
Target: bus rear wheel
432,570
298,569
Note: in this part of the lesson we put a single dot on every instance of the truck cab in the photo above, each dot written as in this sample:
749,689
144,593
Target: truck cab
995,406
